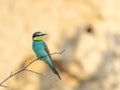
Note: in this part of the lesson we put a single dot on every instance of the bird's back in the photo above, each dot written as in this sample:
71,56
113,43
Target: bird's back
42,52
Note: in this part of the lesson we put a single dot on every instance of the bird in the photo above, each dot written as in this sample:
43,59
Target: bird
41,50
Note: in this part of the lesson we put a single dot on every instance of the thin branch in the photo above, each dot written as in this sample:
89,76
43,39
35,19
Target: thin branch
59,52
33,71
25,69
4,86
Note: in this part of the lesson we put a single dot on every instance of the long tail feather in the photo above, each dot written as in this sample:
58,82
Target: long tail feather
55,71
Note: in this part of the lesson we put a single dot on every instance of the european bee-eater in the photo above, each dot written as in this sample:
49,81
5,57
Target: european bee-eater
42,52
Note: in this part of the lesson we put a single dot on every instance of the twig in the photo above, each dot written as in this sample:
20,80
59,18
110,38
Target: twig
59,52
4,86
24,69
33,71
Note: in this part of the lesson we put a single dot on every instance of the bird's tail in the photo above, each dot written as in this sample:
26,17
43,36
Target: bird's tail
55,71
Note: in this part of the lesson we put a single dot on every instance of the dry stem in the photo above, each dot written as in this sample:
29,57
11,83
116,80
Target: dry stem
24,69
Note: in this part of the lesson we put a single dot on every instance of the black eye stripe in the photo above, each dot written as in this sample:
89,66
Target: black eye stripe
36,36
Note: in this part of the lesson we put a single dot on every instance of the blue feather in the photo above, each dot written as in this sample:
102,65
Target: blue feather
41,51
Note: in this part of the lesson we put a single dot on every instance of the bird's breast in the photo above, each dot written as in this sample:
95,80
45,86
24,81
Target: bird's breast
38,48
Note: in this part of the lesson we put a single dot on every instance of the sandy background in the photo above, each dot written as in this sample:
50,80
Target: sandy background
89,30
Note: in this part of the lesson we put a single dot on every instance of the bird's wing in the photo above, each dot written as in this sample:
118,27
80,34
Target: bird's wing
47,50
50,62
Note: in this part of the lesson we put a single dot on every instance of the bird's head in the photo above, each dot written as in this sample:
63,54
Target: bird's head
38,36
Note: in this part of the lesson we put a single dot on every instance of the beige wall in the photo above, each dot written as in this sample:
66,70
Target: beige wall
91,60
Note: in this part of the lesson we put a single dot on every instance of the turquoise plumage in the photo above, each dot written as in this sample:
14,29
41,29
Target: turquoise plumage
42,52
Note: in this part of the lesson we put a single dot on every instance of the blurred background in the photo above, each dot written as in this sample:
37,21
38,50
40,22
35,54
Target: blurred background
89,31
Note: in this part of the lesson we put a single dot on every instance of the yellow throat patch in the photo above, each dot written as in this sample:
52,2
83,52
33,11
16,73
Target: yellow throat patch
39,38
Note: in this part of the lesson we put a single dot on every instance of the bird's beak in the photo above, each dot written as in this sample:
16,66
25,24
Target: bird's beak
44,34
